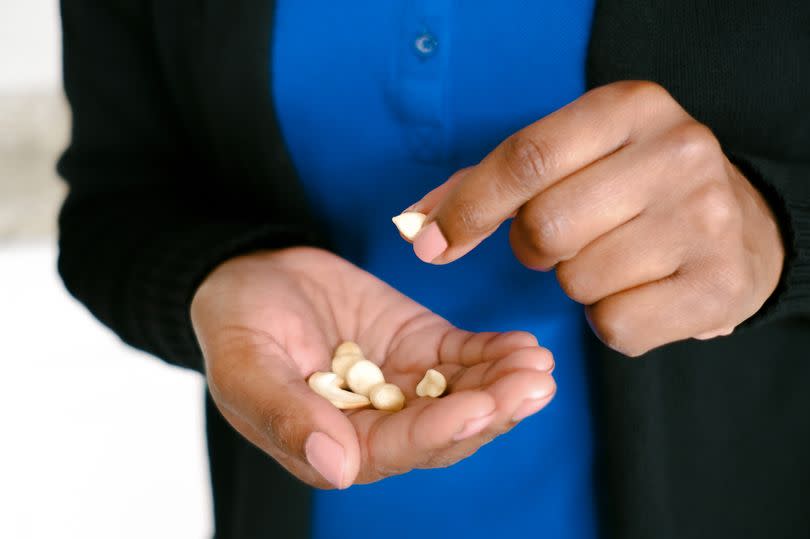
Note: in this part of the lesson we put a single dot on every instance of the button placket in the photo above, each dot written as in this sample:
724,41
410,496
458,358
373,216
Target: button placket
417,85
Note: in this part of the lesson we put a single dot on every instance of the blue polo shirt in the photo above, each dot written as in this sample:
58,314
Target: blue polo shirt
379,102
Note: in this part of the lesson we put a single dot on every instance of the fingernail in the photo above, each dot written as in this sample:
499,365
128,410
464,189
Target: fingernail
412,207
529,407
326,456
430,243
473,427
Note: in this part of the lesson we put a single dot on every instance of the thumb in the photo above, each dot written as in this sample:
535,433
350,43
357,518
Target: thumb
262,392
430,241
461,213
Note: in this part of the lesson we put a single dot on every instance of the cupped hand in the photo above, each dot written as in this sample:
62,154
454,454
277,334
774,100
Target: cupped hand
634,203
266,321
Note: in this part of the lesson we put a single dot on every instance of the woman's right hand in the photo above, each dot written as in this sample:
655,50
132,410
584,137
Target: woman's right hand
266,321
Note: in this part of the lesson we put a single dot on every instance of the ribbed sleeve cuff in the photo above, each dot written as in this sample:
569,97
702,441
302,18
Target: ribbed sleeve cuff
171,269
786,188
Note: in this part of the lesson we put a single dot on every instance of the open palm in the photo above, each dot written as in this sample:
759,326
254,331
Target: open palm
266,321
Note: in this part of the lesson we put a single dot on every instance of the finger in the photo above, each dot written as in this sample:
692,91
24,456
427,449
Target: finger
485,374
256,383
517,395
560,221
725,332
647,249
635,321
537,157
444,345
410,438
467,349
430,200
520,386
479,375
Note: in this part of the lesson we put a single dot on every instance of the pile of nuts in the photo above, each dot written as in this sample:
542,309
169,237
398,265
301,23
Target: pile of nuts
352,371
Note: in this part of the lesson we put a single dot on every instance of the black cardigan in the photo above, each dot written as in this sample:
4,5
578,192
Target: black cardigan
176,163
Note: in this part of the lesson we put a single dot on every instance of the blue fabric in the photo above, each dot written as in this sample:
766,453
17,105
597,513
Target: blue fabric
379,102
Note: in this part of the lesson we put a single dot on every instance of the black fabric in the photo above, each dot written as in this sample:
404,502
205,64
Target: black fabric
176,164
254,497
713,439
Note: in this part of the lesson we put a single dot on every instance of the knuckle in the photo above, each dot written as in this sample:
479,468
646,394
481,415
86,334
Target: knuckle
692,143
730,283
527,160
712,309
546,234
715,211
628,91
551,232
471,216
574,283
643,90
612,328
637,92
722,290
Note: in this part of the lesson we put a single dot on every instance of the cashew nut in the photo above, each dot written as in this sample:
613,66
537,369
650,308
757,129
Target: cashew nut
346,355
348,348
327,385
342,363
363,375
387,397
432,385
409,223
352,370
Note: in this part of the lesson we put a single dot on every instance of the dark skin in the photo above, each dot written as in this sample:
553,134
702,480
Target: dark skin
266,321
634,203
631,200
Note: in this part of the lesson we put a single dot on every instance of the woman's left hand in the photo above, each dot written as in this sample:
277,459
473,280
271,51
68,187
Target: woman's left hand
636,206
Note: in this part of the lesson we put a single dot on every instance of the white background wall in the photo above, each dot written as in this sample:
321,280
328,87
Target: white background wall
96,440
29,45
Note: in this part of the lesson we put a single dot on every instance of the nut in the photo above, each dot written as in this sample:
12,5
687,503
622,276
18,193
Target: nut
432,385
363,375
388,397
409,223
327,385
346,355
342,363
348,348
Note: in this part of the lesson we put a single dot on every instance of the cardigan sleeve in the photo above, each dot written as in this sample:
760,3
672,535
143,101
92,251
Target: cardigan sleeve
141,227
786,187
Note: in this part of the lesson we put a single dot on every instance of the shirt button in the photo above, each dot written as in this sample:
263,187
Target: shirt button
425,44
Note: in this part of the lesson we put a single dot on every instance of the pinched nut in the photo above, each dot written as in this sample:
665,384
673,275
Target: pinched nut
364,375
388,397
409,223
342,363
327,385
432,385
